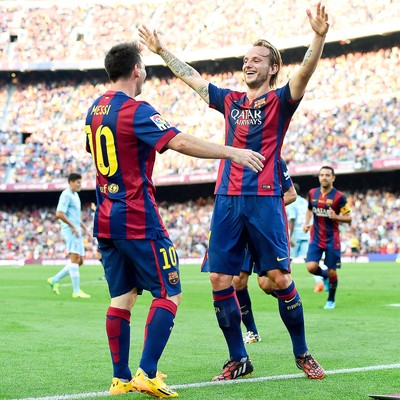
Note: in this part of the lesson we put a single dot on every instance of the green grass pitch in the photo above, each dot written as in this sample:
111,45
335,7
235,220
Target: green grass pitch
52,346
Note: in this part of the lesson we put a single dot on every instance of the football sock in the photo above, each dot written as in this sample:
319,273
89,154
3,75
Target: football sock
119,335
61,274
246,310
321,272
291,311
228,315
74,274
159,324
333,283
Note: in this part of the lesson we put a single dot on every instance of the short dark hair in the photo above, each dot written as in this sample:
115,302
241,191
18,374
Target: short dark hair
328,167
74,176
121,60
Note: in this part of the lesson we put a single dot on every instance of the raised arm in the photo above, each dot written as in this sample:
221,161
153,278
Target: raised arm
320,26
180,69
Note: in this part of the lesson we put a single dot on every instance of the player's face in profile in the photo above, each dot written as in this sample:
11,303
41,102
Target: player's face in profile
75,185
256,66
326,178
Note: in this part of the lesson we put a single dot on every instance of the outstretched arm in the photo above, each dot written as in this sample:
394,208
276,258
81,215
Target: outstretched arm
195,147
180,69
320,26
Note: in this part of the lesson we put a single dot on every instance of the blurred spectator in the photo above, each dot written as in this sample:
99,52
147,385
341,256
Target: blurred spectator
32,233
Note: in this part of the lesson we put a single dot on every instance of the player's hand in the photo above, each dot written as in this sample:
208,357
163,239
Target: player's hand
331,213
319,23
150,39
248,158
75,231
292,244
306,228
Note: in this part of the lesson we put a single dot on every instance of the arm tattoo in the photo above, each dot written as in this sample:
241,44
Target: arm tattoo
178,67
203,91
307,57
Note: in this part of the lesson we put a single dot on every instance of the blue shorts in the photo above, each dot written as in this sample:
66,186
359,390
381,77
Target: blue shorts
332,256
300,248
256,222
151,265
73,243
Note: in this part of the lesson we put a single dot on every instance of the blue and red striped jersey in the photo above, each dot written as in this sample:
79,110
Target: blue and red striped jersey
123,135
325,231
287,182
260,126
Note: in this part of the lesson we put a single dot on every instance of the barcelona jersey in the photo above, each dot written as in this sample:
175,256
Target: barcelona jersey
123,135
325,231
260,126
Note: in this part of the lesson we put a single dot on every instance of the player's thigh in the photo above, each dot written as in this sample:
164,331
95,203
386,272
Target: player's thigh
332,258
227,240
314,253
73,243
266,225
156,265
119,271
302,248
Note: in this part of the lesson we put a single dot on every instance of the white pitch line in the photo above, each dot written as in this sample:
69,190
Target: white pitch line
232,382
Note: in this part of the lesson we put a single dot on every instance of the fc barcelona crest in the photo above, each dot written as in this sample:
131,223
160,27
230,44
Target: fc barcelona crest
173,278
329,202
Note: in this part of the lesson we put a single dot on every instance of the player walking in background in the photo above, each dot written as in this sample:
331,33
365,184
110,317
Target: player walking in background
123,136
296,215
328,207
69,213
249,211
240,282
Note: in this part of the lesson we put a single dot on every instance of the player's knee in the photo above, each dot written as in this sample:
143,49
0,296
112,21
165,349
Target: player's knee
220,281
240,282
312,267
176,299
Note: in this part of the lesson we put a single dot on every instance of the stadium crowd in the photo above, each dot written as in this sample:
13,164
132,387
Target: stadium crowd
45,31
42,126
33,233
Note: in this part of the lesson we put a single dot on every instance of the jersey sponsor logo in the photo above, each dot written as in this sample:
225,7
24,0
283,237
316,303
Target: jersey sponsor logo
113,188
320,212
286,174
281,258
160,122
288,301
246,117
173,277
266,186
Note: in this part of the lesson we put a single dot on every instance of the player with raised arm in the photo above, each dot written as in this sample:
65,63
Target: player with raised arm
329,208
123,136
249,210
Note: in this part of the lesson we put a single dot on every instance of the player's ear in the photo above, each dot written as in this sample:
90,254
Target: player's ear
136,70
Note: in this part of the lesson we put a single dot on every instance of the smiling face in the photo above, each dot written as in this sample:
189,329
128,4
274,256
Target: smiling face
256,67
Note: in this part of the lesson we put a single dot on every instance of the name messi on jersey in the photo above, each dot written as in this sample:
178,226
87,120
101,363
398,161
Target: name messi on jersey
246,117
320,212
100,110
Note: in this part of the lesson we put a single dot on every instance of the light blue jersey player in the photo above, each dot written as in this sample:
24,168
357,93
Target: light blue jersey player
69,213
296,215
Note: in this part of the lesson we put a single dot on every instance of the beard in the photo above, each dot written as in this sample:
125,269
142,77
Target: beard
257,82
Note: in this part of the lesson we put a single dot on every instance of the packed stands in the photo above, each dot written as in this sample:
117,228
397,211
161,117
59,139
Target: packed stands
33,232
